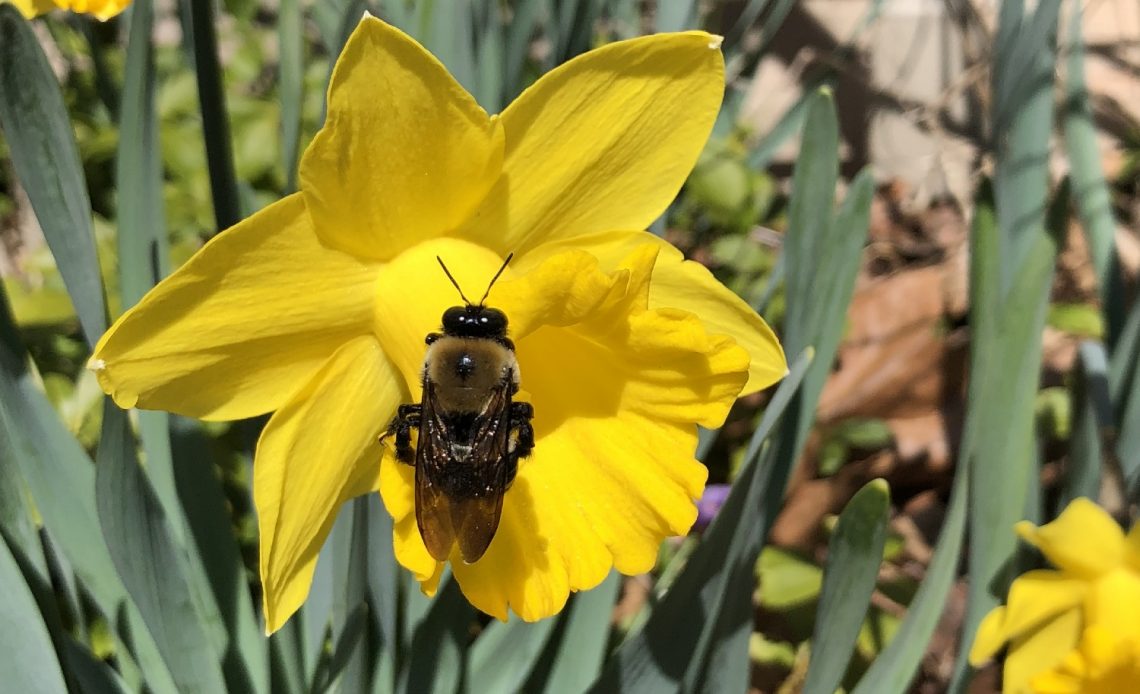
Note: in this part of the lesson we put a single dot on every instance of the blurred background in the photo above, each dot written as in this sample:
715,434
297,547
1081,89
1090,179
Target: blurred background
924,92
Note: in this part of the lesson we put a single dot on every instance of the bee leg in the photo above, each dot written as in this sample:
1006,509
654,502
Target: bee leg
407,418
521,414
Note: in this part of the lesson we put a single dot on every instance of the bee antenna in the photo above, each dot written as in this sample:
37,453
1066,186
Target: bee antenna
492,282
457,287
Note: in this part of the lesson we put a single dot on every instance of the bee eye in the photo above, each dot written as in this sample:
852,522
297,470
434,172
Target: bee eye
494,322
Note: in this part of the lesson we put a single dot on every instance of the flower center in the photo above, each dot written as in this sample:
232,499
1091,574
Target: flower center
412,292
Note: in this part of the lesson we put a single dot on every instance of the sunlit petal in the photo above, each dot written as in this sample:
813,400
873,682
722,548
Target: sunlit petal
405,154
1035,598
316,452
1104,663
1083,540
687,285
990,637
603,142
397,489
1113,602
33,8
599,491
1065,678
1039,650
100,9
240,327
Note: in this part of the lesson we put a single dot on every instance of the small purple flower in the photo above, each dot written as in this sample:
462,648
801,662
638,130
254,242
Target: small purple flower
710,504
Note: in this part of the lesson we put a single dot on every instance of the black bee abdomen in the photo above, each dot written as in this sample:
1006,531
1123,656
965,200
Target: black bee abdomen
464,366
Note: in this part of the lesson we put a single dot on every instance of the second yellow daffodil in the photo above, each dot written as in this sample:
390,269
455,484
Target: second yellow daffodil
1096,586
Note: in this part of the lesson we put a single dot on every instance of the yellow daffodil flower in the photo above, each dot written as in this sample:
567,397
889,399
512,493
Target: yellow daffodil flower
316,308
1103,663
100,9
1096,584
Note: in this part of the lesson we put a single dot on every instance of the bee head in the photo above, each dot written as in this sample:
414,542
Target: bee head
474,321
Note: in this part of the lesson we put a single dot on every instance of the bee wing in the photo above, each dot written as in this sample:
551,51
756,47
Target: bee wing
476,518
475,521
433,508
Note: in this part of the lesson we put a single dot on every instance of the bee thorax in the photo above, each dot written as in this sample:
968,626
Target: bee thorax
465,366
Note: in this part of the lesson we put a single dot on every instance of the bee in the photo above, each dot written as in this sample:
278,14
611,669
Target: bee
471,433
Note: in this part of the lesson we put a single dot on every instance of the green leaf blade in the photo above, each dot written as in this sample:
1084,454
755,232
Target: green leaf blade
142,244
290,41
854,556
150,561
578,663
44,155
215,118
1092,415
1090,191
504,654
27,659
896,665
437,657
214,554
1006,358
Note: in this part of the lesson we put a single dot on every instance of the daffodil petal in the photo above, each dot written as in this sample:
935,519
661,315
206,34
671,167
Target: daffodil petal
397,489
1111,659
1034,598
405,153
635,484
1083,540
1040,650
604,141
1065,678
687,285
665,361
431,585
242,325
668,364
566,289
100,9
1113,602
990,637
319,450
34,8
